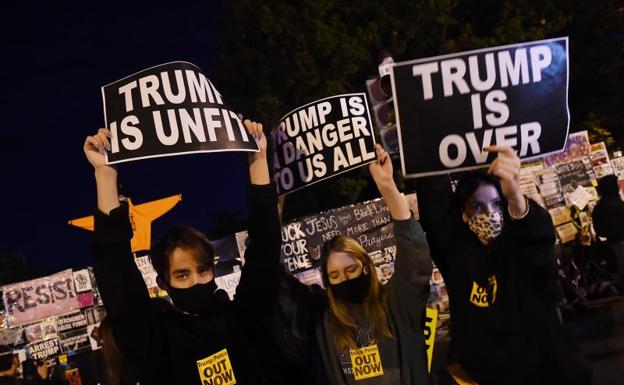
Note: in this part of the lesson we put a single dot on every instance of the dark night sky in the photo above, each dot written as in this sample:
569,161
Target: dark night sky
54,62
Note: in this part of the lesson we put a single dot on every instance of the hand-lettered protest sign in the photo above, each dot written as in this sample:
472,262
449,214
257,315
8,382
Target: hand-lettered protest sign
449,108
29,301
322,139
169,109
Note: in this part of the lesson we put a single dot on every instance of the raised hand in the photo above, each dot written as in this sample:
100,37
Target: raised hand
381,169
255,129
506,166
95,147
258,165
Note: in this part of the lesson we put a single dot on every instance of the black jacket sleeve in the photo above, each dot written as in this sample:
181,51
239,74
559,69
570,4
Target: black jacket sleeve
535,236
409,285
260,278
119,281
133,322
435,206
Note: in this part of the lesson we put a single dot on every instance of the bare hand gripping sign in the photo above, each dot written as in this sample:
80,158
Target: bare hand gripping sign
169,109
449,108
320,140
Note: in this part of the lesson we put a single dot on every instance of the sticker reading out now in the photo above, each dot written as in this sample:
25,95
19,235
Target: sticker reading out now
216,369
366,362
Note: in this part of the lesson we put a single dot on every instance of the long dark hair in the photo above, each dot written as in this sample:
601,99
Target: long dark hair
469,183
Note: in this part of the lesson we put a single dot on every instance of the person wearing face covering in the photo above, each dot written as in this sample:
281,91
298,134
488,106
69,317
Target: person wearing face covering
495,249
367,333
203,338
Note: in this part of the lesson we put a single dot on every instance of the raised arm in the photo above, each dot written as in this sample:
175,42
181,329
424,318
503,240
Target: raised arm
409,285
259,282
119,281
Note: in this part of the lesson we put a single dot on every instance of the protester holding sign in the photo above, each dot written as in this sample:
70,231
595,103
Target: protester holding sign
495,249
205,339
364,332
373,334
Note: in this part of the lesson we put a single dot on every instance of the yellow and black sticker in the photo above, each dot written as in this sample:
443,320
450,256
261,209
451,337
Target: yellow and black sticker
479,296
216,369
366,362
431,323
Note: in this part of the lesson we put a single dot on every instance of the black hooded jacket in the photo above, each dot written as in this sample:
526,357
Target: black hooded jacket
502,296
169,347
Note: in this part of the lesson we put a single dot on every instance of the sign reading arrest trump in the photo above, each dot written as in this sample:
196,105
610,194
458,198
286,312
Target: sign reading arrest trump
322,139
449,108
170,109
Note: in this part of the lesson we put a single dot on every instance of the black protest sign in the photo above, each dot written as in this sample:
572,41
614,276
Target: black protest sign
320,140
449,108
76,341
369,223
170,109
44,349
71,321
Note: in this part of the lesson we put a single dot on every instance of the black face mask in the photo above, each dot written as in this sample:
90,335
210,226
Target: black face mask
353,290
196,299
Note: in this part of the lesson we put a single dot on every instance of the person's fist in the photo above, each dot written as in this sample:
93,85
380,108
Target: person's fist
255,129
95,148
506,166
381,169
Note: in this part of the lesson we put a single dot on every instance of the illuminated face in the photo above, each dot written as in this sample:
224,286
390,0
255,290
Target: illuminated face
342,267
186,271
484,200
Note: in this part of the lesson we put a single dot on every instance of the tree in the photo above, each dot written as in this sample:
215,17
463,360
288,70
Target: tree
277,55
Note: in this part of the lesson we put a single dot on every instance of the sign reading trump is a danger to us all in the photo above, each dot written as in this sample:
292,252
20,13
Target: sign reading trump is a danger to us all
450,108
170,109
320,140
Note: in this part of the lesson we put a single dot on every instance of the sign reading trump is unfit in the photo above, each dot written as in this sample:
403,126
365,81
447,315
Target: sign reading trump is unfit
170,109
322,139
449,108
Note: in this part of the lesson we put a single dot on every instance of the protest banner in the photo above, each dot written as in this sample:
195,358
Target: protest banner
450,107
577,146
169,109
320,140
30,301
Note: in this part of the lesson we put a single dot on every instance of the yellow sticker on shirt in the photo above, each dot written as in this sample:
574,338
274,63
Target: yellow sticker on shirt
216,369
366,362
431,322
479,296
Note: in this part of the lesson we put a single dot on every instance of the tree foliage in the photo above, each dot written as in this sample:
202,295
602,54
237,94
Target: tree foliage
276,55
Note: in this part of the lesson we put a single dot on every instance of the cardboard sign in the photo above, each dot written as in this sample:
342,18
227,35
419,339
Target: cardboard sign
30,301
169,109
320,140
366,362
216,369
450,107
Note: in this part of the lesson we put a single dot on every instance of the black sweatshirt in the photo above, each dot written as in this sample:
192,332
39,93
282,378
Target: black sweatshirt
608,216
504,326
168,346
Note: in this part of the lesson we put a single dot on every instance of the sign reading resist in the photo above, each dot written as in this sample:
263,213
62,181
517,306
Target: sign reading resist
449,108
322,139
170,109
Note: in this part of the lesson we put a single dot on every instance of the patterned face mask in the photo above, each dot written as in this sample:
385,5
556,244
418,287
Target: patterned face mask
486,226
